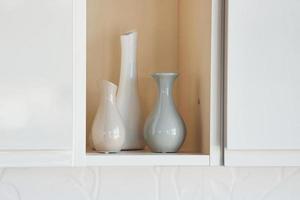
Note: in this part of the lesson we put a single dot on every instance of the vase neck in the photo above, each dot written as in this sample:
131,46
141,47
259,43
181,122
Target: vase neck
165,83
108,92
128,55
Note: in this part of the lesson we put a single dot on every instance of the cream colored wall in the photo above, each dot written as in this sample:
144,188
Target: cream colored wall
194,69
160,48
156,23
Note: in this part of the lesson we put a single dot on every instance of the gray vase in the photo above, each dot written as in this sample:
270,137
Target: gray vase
164,129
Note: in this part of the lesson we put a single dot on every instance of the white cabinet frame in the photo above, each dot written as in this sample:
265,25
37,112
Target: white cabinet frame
78,156
255,157
38,24
79,58
81,158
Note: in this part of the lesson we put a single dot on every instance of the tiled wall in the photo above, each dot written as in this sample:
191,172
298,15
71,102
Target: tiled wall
150,183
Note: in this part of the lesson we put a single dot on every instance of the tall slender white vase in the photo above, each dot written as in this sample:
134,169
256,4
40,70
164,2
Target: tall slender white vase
108,131
128,97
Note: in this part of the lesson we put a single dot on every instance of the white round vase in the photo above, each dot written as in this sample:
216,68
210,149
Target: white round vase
128,100
108,131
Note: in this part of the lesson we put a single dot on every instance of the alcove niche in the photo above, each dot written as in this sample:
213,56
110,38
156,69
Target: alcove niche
173,36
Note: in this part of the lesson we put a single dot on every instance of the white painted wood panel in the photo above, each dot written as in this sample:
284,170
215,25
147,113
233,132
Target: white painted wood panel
35,158
147,159
216,85
263,75
265,158
36,74
79,85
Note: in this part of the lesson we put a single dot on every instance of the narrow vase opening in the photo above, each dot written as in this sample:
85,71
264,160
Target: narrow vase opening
165,74
129,33
109,90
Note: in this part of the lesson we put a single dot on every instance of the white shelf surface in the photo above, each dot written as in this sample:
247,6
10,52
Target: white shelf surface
142,158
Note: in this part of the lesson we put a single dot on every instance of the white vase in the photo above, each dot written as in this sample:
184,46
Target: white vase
108,131
128,98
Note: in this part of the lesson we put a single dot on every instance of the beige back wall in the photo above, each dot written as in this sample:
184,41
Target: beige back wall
194,68
159,23
156,23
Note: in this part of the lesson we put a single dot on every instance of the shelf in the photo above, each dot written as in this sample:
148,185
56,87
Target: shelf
173,36
166,43
146,159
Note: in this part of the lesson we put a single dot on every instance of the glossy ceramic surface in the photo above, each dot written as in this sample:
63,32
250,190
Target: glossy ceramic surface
164,129
108,131
128,100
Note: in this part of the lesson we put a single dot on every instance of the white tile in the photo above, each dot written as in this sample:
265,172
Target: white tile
150,183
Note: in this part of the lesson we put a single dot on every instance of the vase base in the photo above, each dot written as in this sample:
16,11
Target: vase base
108,152
133,149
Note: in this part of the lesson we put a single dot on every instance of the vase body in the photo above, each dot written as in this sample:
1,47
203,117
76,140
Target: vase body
164,129
108,131
128,97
